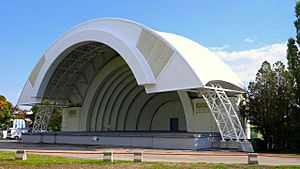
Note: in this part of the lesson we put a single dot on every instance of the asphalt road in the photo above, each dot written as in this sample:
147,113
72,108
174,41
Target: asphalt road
191,156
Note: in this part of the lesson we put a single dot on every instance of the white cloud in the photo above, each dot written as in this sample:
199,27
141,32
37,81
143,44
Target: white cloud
219,48
248,40
246,63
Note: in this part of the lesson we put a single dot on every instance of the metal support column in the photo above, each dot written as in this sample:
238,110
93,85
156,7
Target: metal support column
42,118
224,113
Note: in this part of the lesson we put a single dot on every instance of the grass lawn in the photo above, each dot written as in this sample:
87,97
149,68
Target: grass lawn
44,161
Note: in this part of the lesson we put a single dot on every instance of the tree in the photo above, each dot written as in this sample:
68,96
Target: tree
5,113
267,104
293,57
34,110
55,120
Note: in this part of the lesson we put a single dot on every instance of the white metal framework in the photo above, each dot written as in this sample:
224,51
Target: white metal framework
42,118
224,113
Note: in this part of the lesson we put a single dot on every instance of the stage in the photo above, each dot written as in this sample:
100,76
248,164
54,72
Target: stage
165,140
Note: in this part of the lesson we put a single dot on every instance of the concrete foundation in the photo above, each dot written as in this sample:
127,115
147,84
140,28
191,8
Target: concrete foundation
245,146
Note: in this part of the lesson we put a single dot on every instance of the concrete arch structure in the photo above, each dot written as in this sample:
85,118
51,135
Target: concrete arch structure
139,46
118,75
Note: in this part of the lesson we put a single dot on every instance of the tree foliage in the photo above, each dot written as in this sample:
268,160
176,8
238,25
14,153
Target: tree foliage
34,110
5,113
55,121
293,57
268,100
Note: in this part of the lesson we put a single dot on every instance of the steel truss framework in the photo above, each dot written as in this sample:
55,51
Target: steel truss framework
224,113
64,81
42,117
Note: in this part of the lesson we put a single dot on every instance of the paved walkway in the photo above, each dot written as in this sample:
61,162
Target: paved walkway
195,156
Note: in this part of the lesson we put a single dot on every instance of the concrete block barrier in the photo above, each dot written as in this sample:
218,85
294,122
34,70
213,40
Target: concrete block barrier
138,157
21,155
252,158
108,157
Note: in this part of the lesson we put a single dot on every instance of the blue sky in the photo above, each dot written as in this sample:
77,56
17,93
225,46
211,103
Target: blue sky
233,29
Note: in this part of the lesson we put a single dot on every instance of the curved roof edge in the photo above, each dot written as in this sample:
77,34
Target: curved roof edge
159,61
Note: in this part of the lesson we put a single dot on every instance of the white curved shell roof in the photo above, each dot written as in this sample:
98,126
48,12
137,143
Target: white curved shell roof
159,61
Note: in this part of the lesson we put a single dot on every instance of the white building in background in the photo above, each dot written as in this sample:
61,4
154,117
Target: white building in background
126,84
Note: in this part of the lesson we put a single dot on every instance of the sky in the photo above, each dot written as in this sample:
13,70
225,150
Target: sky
243,33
